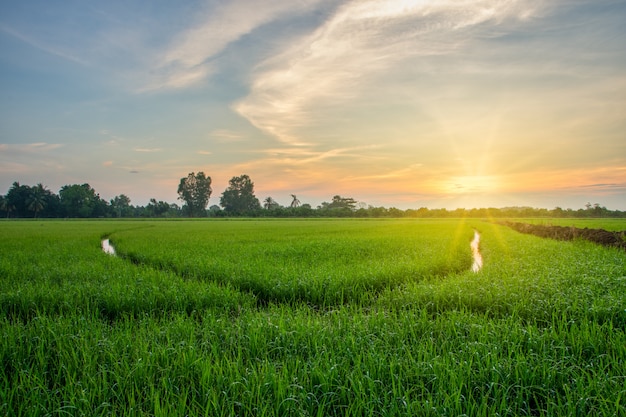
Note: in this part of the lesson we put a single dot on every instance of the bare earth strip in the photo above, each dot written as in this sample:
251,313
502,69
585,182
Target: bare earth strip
600,236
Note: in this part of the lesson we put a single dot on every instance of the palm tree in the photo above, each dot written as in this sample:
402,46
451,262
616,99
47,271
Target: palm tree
4,204
295,202
37,199
269,203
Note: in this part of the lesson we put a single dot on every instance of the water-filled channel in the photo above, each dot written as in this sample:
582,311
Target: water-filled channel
478,258
107,248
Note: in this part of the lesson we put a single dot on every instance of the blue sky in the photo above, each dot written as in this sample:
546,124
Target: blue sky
395,103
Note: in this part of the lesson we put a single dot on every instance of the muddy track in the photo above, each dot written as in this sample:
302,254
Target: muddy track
599,236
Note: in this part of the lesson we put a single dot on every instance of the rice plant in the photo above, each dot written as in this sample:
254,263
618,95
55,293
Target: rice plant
165,329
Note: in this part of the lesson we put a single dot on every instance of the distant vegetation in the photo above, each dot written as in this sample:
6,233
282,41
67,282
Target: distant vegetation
239,200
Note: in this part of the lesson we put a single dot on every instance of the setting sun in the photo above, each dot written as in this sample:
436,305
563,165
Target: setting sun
395,103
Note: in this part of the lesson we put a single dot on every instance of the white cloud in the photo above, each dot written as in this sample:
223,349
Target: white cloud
363,40
14,168
226,135
44,46
148,150
186,61
302,156
37,147
177,78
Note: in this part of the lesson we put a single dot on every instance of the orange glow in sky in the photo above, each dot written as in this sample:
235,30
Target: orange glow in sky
402,104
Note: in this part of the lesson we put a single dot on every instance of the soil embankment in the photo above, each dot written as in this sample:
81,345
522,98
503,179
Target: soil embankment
599,236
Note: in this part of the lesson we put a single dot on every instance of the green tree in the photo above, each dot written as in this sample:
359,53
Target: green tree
81,201
195,191
6,206
239,197
121,206
17,198
270,204
339,202
37,200
342,202
295,202
215,210
158,208
26,201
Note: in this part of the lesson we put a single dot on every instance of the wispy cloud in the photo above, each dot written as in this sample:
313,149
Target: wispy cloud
13,168
604,186
37,147
187,60
392,174
226,135
44,46
336,96
362,40
304,156
148,150
175,78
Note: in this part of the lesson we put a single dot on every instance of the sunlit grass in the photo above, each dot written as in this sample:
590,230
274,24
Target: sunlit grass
318,262
59,268
538,331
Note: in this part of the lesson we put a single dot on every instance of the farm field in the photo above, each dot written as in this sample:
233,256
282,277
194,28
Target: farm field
307,317
612,225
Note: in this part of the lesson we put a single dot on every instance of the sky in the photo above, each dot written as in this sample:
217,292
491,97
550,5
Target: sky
395,103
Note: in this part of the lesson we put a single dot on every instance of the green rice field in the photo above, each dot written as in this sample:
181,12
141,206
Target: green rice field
307,318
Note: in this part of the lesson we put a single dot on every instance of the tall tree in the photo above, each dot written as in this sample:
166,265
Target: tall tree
26,201
6,206
340,202
295,202
81,201
195,191
17,199
239,197
37,200
121,206
157,208
270,204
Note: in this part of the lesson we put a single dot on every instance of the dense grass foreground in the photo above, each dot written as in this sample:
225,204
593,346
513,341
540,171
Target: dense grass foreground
540,331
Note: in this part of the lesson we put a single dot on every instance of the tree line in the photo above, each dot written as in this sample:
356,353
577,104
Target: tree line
237,200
